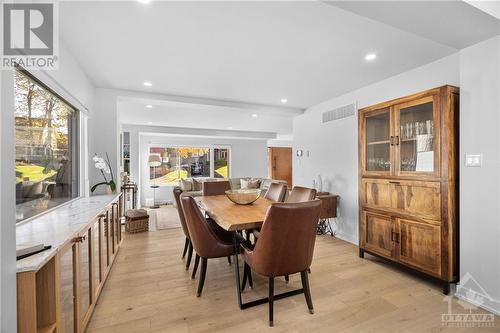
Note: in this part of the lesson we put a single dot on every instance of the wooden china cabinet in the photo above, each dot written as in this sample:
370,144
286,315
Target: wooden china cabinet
408,182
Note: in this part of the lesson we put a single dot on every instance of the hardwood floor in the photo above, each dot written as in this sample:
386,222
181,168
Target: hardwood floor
149,290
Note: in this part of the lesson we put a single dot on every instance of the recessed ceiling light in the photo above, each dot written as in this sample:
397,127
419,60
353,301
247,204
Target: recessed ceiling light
147,84
284,100
144,1
150,123
370,57
254,115
149,106
229,128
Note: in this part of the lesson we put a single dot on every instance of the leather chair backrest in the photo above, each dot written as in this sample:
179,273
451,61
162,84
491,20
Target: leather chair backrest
177,196
205,241
216,187
286,242
276,192
301,194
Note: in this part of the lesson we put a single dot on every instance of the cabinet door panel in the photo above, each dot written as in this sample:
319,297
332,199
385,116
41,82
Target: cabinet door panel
420,245
377,233
418,134
376,142
85,275
96,258
104,245
421,199
67,259
115,227
376,193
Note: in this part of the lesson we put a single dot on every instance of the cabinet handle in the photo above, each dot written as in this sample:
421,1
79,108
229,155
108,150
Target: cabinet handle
394,182
274,164
397,140
391,140
396,239
79,239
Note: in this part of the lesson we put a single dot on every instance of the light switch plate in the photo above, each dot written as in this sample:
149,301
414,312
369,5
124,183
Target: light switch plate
473,160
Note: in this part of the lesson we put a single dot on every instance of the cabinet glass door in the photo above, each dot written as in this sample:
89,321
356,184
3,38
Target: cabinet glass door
96,257
85,274
104,245
67,288
378,142
418,131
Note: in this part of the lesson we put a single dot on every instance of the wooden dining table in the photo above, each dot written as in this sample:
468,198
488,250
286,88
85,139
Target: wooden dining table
235,218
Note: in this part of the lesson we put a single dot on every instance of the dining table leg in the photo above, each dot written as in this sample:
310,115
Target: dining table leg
237,268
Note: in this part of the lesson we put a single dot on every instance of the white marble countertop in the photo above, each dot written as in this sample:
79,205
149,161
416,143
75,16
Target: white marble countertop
56,227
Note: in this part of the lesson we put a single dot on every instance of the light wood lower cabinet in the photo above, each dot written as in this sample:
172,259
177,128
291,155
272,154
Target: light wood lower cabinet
61,296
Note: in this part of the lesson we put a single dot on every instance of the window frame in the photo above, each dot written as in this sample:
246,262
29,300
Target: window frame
210,147
76,148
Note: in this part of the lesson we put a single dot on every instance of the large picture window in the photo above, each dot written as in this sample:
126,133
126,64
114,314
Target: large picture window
46,153
188,162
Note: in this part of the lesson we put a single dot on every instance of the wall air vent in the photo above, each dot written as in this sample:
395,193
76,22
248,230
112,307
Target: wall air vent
339,113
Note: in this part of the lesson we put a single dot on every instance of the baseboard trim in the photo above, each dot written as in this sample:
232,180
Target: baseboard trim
346,237
471,296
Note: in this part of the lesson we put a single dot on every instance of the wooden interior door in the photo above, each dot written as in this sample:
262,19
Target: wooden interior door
280,164
377,233
419,245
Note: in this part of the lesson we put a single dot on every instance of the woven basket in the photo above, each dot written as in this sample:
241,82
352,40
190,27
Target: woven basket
136,220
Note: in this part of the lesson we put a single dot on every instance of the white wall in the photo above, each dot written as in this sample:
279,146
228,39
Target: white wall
479,187
104,134
8,322
248,159
333,147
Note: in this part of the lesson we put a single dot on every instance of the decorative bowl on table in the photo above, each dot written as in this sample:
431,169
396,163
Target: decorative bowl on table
244,196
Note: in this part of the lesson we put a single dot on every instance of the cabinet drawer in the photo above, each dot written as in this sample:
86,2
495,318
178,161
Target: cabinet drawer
417,198
421,199
376,193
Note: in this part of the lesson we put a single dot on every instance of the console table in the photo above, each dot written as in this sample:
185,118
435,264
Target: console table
328,211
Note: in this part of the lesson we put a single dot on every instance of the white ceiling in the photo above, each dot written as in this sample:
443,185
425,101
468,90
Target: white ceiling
204,116
454,23
257,52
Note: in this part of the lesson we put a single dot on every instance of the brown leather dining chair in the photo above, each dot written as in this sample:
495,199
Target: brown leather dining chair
286,246
206,242
301,194
216,187
188,247
276,192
